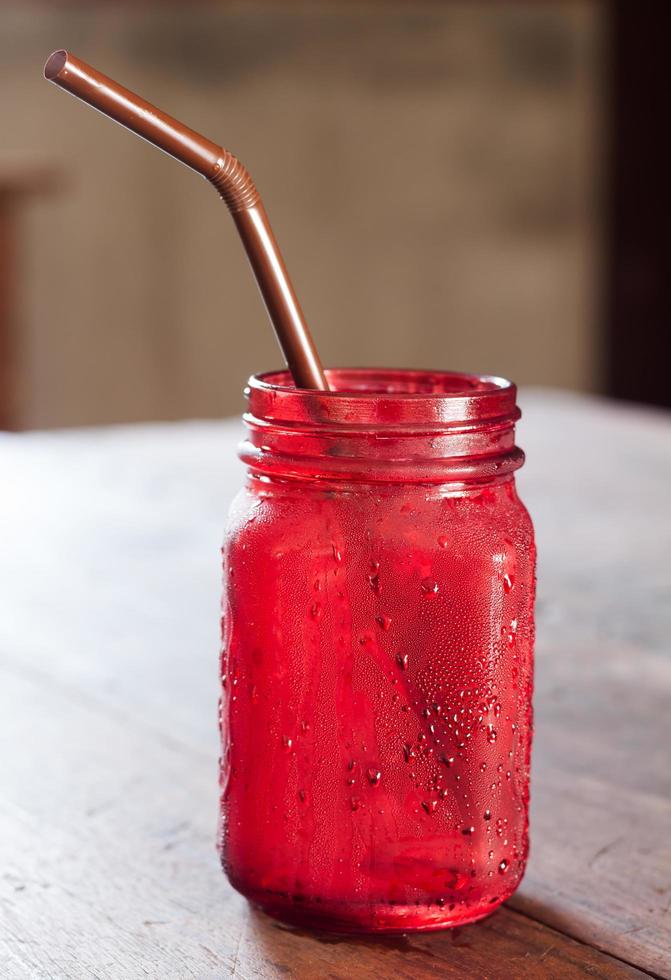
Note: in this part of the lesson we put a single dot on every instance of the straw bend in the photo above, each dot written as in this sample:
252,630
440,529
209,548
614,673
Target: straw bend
233,182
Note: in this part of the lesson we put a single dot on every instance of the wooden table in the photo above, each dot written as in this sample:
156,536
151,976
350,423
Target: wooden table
108,687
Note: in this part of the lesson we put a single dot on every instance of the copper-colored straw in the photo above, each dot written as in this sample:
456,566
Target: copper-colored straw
232,182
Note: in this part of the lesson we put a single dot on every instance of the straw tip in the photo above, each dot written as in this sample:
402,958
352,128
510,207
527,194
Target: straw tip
54,64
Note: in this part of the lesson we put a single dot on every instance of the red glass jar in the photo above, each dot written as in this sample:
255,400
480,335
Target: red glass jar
377,653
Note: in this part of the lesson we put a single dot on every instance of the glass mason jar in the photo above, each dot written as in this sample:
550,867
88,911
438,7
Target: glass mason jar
377,653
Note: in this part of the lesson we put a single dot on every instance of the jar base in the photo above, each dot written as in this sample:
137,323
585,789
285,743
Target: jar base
347,918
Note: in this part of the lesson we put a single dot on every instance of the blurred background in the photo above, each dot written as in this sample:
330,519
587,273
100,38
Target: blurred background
460,185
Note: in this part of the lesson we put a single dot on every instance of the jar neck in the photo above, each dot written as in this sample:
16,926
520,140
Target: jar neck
383,426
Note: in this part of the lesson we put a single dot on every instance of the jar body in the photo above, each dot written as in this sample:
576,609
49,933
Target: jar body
376,711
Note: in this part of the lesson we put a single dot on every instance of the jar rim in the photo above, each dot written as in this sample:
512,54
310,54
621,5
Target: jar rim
465,384
385,398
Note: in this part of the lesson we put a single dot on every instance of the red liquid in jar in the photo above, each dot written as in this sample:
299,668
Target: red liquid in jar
377,670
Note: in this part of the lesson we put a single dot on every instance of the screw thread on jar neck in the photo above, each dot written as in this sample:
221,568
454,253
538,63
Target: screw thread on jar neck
388,426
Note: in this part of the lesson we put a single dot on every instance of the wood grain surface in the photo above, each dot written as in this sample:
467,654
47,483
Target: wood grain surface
109,586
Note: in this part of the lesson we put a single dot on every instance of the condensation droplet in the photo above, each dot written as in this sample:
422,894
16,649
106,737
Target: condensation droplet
374,776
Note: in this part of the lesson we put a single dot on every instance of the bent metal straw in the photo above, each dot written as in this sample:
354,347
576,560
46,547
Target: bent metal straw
232,182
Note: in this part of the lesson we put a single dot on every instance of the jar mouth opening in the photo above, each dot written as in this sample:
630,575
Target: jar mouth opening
396,383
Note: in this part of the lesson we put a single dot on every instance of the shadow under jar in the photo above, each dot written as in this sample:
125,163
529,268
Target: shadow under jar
377,653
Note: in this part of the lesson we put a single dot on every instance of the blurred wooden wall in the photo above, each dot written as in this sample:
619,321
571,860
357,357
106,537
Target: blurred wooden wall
432,171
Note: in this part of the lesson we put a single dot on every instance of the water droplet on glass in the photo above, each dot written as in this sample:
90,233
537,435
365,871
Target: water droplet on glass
287,742
374,582
302,795
355,803
384,622
337,555
447,760
508,583
443,541
429,806
458,882
491,733
317,611
430,587
487,815
402,660
467,831
374,777
503,866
